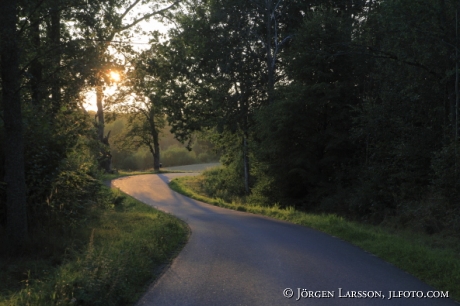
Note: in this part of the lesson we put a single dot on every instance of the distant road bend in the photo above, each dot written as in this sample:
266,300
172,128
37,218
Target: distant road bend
236,258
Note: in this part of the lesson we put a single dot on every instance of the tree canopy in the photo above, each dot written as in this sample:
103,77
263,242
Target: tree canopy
336,106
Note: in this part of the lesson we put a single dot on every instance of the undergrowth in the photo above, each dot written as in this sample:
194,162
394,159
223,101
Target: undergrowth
108,260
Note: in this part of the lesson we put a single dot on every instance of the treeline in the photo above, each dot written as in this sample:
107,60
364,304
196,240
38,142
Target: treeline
339,106
52,151
172,152
345,106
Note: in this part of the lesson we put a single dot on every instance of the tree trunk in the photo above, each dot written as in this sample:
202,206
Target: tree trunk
156,144
246,164
16,203
456,83
106,162
100,113
55,37
116,28
106,158
270,55
36,69
156,154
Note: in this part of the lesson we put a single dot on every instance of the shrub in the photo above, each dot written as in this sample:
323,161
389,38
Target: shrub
224,183
176,156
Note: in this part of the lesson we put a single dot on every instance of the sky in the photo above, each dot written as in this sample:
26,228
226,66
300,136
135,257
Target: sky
140,42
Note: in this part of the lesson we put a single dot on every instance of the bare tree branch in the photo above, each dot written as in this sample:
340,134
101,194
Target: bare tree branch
146,17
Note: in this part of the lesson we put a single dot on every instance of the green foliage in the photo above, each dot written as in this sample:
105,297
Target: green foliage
307,143
402,122
223,183
119,251
173,153
443,208
362,121
205,157
73,192
347,107
175,156
446,173
434,261
60,169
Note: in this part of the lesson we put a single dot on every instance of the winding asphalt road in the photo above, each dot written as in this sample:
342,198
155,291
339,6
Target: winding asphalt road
236,258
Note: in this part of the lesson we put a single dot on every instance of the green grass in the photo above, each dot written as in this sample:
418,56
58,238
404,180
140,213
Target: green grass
434,260
113,258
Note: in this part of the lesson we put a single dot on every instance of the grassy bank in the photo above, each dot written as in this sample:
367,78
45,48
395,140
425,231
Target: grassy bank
435,260
112,258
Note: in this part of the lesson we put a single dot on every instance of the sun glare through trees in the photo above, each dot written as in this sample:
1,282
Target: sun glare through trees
115,76
347,107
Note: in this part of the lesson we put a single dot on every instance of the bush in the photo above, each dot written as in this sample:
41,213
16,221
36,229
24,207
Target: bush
60,167
128,163
117,253
223,183
176,156
72,192
204,158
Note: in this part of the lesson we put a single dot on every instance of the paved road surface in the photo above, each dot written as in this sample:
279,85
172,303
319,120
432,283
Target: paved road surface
235,258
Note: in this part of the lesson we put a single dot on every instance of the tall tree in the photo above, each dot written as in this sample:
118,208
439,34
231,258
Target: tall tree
55,41
217,75
12,118
112,19
411,92
306,144
142,99
44,50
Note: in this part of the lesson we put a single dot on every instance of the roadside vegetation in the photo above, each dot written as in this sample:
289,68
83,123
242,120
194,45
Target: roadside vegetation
345,109
116,174
109,258
127,157
432,258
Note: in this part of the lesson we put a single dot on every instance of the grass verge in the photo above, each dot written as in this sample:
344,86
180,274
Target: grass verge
434,261
115,255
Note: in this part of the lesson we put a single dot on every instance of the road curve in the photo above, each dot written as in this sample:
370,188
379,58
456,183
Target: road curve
236,258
